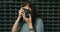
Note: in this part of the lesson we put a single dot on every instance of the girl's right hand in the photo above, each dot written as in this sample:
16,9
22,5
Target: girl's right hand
20,12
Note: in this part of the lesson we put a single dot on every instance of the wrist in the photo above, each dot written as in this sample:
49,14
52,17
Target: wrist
30,26
31,30
19,16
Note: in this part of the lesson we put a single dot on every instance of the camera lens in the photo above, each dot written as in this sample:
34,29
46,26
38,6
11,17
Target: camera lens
27,12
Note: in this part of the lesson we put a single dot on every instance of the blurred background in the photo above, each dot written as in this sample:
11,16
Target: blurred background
48,10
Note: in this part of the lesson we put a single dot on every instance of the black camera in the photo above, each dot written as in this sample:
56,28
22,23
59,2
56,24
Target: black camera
27,12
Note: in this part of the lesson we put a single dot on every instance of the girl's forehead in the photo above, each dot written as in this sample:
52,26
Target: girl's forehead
28,8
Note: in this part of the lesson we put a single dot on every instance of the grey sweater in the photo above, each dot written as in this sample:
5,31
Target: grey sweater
38,26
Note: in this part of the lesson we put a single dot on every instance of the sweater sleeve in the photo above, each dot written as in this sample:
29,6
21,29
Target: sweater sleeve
39,25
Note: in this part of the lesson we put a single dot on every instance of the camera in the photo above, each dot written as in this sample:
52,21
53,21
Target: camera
27,12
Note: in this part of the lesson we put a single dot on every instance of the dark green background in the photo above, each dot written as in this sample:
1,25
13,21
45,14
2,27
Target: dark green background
49,10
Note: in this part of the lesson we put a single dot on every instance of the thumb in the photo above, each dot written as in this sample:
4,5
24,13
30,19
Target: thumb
29,16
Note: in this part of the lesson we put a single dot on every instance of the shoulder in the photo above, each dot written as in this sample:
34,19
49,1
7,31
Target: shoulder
38,19
38,22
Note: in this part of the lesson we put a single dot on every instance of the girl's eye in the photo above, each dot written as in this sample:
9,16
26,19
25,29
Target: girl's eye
21,12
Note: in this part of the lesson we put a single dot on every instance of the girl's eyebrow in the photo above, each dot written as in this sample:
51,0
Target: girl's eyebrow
25,9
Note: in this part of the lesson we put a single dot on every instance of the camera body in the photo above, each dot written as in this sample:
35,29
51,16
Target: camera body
27,12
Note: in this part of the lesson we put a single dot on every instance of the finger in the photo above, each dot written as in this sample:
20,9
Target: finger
29,16
23,15
21,11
